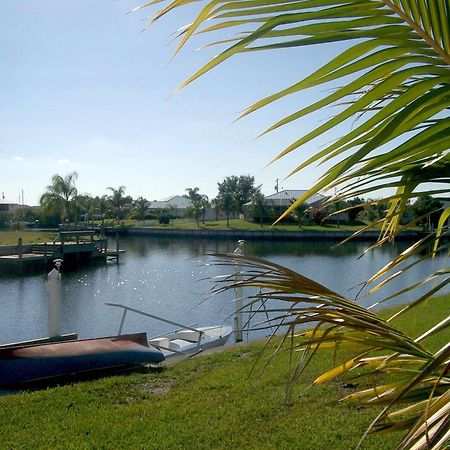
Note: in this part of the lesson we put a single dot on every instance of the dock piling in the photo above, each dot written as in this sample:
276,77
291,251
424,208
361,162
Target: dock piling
117,247
19,248
54,290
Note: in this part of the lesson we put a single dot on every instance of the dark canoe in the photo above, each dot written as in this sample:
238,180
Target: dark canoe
31,363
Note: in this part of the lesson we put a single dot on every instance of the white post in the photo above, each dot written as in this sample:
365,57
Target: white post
54,289
238,294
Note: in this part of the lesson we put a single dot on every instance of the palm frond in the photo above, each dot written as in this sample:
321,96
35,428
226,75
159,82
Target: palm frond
394,78
333,321
401,64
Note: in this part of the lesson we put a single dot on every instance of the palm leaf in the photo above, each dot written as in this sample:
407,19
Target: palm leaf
397,85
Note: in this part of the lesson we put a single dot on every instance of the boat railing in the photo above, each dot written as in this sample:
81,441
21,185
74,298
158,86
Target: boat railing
153,316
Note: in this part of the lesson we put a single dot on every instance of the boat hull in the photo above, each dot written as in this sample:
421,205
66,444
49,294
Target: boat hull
186,341
33,363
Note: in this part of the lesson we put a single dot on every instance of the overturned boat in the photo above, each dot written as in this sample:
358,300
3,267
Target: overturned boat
23,363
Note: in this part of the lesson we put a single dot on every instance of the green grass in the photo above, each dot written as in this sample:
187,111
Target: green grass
237,224
208,402
202,403
28,237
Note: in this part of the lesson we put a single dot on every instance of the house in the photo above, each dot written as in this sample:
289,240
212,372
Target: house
175,205
9,211
280,201
8,207
283,199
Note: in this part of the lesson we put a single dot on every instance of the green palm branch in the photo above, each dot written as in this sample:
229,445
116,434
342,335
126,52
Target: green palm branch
400,70
393,78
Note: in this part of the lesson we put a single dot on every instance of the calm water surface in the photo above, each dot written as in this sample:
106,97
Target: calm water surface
167,277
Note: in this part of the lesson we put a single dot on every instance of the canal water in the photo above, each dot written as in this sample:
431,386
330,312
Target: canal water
169,278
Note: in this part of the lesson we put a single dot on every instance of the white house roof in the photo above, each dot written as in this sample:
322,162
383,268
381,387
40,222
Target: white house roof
177,201
4,201
166,199
294,194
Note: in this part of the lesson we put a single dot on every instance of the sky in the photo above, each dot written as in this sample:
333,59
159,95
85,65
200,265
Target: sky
84,89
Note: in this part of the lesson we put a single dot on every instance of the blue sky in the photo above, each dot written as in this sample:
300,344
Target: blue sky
84,89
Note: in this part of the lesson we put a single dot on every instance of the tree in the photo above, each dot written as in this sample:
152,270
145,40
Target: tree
204,206
141,206
428,210
356,207
375,209
299,213
83,206
197,203
119,202
26,214
318,214
234,193
100,207
164,219
215,203
259,207
173,212
60,194
227,203
241,188
393,76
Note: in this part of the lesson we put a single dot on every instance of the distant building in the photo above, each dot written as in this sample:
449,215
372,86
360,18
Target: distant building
280,201
175,205
8,207
285,198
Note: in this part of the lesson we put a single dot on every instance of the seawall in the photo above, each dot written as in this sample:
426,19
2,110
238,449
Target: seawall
274,235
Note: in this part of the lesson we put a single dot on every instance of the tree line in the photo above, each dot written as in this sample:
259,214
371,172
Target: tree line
62,203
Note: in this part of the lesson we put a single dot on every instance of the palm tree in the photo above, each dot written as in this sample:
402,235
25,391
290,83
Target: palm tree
204,206
118,201
197,203
141,206
393,77
259,207
61,193
227,203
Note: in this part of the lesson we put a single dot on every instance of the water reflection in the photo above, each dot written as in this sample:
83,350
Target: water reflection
167,277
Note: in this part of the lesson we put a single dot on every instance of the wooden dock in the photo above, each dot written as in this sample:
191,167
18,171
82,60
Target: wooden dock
75,248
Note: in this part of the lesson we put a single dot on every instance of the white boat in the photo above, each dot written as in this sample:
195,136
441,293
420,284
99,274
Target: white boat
187,340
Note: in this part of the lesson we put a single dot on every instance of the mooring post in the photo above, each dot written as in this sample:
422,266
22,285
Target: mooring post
45,254
117,246
238,293
19,248
54,290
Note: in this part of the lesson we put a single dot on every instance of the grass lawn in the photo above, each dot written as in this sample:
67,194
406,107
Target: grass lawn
203,403
236,224
28,237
